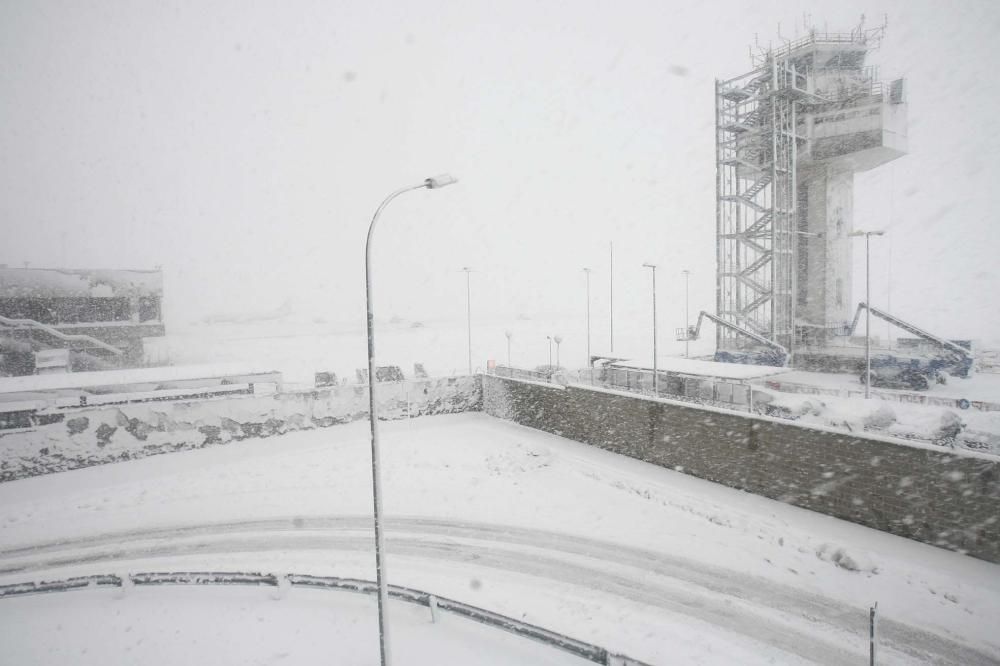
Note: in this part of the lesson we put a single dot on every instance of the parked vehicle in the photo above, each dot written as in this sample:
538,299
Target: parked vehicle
897,372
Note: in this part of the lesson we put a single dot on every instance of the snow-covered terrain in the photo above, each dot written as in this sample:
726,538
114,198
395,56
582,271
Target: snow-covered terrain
641,560
246,627
299,348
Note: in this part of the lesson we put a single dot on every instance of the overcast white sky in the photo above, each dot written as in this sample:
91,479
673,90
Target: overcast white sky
244,146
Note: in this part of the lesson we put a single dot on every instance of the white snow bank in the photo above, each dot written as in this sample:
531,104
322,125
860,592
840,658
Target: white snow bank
245,626
640,559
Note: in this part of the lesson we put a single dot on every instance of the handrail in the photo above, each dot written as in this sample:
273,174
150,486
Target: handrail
31,323
588,651
858,36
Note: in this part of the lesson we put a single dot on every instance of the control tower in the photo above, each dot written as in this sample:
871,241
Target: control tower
790,135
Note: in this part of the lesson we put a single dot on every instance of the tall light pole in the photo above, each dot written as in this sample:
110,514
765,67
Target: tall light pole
611,276
868,310
558,340
380,572
509,336
587,272
468,311
656,374
549,338
687,332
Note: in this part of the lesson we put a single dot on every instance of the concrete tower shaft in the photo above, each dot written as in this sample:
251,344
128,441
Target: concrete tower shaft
790,135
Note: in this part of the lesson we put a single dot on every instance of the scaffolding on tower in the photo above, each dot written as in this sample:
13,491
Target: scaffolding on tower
764,127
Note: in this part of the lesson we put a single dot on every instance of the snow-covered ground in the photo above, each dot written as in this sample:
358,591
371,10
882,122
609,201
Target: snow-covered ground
642,560
979,386
889,412
300,348
245,627
925,422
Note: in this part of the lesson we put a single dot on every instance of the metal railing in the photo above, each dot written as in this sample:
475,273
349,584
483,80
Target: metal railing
588,651
859,36
698,390
518,373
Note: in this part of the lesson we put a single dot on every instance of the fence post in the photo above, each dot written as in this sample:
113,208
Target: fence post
432,602
871,634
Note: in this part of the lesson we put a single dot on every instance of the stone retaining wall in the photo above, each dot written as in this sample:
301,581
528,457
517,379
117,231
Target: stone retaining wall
945,498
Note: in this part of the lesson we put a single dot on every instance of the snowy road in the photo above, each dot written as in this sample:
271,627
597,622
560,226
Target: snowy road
733,602
638,559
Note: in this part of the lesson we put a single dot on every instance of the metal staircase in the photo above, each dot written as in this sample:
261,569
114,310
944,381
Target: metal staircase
75,341
755,153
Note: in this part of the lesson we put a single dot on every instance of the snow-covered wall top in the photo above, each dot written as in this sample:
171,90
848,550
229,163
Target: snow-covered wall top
83,437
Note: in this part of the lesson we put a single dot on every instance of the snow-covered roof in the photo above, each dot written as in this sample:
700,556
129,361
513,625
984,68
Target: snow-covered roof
65,283
72,380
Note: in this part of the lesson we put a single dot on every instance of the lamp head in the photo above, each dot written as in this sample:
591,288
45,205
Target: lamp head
439,181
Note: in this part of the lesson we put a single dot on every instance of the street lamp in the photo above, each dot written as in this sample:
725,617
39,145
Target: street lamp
468,311
656,377
380,573
509,336
868,306
558,340
687,326
549,338
587,272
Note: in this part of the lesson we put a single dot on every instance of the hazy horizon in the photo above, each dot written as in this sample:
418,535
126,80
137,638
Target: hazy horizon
245,149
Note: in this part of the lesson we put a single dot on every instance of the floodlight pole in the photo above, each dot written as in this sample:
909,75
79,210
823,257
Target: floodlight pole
656,374
380,569
611,308
687,326
868,308
587,272
468,312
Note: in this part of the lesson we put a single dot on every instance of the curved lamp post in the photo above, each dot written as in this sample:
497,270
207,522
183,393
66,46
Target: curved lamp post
380,573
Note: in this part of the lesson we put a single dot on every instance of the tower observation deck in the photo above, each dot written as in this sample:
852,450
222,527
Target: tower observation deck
790,135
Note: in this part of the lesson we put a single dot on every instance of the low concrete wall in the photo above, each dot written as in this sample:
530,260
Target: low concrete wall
81,437
947,499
